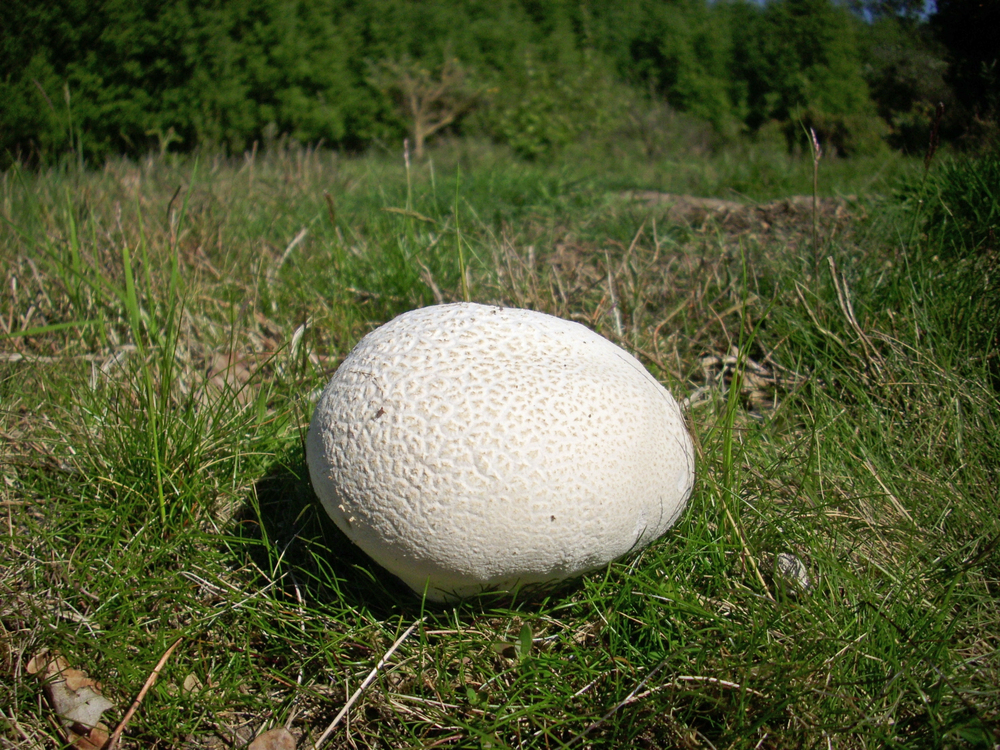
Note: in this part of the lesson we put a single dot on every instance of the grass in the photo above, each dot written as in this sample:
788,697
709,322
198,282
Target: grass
167,323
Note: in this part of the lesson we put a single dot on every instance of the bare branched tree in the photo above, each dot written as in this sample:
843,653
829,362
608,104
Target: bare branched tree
432,99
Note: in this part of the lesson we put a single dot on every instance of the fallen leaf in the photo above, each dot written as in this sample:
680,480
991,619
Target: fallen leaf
278,738
75,697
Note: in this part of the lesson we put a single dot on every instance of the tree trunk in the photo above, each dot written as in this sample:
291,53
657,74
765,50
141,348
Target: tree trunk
419,136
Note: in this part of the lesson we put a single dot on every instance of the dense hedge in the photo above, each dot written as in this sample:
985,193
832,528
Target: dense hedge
96,77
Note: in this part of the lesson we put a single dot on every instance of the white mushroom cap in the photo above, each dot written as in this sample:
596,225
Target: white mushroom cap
466,447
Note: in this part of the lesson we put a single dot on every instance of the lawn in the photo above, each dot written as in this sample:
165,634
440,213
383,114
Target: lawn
166,326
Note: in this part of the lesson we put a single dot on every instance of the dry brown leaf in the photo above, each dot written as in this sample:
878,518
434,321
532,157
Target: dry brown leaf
87,739
75,697
278,738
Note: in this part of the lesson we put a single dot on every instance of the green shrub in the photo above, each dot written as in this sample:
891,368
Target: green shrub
955,262
963,205
551,104
858,134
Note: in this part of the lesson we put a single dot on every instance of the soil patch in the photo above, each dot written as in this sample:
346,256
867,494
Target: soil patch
792,215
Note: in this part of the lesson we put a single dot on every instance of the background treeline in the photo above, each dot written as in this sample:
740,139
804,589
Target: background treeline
100,77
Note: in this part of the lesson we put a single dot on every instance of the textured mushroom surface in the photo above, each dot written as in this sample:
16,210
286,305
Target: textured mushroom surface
466,447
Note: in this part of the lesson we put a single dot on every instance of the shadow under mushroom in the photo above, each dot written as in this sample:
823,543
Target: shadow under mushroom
285,532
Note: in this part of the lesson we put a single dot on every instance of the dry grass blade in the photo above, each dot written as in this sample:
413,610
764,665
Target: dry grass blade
844,298
867,463
365,683
615,311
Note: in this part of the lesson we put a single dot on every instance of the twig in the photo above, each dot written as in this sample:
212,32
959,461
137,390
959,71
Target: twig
585,688
631,247
364,685
170,206
428,279
444,741
117,734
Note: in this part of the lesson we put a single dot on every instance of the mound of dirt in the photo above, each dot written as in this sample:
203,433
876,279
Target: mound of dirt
793,214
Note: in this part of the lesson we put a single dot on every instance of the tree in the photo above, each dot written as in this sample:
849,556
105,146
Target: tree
969,31
801,64
432,100
905,68
677,51
876,10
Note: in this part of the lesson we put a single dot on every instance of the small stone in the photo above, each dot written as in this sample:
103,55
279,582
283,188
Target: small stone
274,739
792,570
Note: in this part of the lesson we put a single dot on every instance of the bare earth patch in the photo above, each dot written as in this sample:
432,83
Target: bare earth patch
792,215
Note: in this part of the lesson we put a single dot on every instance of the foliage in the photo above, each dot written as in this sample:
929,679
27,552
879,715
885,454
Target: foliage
904,68
800,61
86,80
217,73
681,52
962,198
967,29
548,104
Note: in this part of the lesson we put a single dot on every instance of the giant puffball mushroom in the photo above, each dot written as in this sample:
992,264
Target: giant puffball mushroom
469,448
